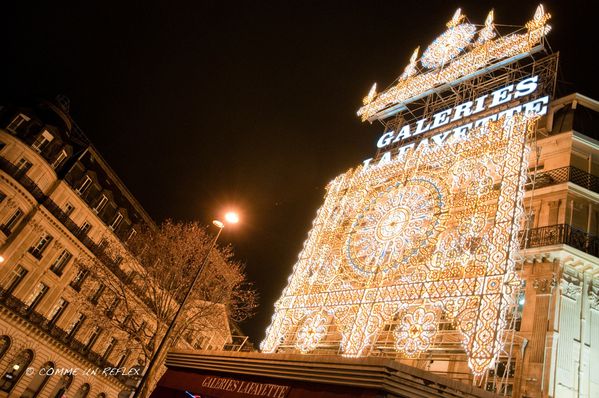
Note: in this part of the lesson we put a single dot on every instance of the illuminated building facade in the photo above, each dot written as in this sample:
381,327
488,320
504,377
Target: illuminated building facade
467,246
60,203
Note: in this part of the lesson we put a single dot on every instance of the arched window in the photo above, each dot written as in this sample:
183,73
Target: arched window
63,385
4,345
15,370
83,391
101,395
39,381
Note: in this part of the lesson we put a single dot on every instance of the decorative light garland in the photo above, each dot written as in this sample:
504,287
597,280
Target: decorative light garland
443,56
431,234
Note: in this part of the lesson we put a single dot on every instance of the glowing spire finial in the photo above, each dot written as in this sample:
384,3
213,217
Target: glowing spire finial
371,94
488,32
410,69
539,19
456,19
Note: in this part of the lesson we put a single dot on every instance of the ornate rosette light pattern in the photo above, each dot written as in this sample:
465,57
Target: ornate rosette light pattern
395,226
312,331
402,245
416,331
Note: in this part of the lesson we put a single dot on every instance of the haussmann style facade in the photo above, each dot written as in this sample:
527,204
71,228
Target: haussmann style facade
59,202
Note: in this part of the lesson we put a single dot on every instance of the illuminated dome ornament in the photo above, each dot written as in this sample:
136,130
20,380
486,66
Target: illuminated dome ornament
398,224
449,45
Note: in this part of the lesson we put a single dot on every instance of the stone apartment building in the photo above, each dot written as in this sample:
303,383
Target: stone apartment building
60,202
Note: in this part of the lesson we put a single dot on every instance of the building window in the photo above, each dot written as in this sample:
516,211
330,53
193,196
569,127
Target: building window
23,166
142,329
132,276
61,262
16,278
112,308
63,385
101,204
95,298
117,221
85,184
15,370
59,160
4,345
58,310
109,348
118,259
42,244
12,222
127,321
83,391
76,325
39,381
69,209
2,196
42,141
36,296
17,122
132,233
103,244
123,359
93,337
78,280
85,228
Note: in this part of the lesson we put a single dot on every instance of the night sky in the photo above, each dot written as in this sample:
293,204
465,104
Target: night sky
205,105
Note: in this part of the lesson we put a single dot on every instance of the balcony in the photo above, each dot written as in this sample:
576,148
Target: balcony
96,249
20,175
566,174
561,234
22,310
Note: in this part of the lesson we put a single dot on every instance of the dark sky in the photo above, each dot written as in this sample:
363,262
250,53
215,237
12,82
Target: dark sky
201,105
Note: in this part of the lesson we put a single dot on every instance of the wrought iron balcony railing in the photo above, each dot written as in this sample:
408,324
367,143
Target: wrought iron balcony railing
22,310
96,249
20,175
561,234
566,174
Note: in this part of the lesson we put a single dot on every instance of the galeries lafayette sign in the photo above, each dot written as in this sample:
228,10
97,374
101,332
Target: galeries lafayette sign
481,105
244,388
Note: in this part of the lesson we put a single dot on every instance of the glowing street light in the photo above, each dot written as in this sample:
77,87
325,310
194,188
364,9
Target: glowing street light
2,259
230,218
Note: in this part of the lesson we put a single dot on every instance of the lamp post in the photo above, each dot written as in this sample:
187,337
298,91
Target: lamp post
231,218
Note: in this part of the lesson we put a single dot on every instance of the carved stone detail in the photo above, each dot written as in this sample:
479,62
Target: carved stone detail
544,285
594,300
36,227
11,203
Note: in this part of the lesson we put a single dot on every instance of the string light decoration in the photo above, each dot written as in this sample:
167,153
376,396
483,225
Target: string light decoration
449,45
397,246
454,55
416,332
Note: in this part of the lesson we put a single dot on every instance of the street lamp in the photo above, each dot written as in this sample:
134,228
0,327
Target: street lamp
231,218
